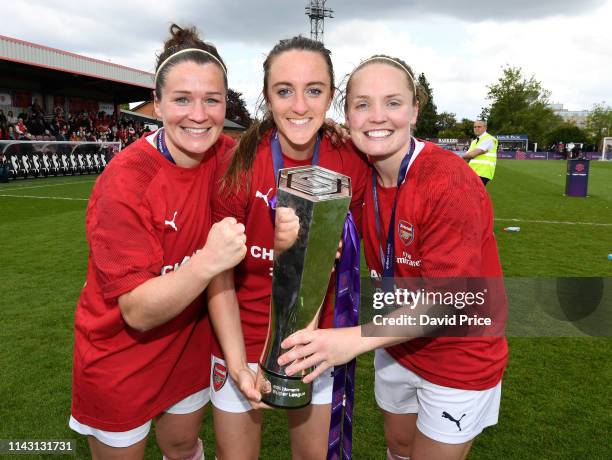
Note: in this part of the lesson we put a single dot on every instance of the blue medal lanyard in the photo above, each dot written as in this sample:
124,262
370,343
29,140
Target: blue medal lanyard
388,258
277,154
162,147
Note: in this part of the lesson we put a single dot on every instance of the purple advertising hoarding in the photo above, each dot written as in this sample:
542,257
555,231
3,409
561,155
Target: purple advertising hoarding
520,155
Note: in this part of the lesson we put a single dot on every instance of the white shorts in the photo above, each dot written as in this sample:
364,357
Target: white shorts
447,415
226,396
128,438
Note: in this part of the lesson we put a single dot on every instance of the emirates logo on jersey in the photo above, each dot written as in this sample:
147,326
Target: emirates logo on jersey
219,376
405,230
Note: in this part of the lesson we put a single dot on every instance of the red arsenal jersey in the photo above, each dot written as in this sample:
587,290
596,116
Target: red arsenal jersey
145,218
448,219
250,205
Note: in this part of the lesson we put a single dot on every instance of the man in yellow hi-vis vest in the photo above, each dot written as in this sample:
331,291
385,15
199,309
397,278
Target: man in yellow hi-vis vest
482,155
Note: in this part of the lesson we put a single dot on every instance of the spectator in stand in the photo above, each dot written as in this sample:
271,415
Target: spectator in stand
10,118
80,126
121,135
81,134
56,125
83,121
104,132
21,129
61,135
36,125
36,108
102,123
131,135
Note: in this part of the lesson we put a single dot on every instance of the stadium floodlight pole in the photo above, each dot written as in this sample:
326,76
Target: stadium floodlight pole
317,12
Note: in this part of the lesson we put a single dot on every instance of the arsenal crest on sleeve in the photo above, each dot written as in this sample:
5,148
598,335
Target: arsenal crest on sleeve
219,376
405,230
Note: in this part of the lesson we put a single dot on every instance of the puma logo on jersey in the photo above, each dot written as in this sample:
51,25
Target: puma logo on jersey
171,223
258,194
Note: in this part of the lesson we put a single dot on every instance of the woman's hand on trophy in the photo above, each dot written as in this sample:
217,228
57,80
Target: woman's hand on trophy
322,348
338,255
252,385
286,229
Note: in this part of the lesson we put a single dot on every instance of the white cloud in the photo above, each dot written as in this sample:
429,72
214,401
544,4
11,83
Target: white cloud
459,45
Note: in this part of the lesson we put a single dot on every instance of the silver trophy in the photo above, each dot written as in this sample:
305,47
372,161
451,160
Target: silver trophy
301,275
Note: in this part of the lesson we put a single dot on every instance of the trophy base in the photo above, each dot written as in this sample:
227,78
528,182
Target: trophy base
287,392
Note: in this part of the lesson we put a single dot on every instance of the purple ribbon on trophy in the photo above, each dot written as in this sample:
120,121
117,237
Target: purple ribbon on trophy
346,314
273,208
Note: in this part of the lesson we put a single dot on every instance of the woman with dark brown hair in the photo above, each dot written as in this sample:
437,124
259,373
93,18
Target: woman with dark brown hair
298,89
142,336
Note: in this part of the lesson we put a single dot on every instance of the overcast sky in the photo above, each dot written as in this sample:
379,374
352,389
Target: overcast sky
460,45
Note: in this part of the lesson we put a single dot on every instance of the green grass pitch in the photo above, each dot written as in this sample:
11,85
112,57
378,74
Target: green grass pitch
556,391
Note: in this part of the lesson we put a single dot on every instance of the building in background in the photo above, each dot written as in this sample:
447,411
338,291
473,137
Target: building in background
33,75
575,117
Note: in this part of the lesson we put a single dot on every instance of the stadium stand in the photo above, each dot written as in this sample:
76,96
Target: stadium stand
60,112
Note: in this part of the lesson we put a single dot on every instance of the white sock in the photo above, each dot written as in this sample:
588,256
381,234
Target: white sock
391,456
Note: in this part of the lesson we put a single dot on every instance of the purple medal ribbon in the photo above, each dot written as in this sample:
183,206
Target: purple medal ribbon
387,258
162,147
346,314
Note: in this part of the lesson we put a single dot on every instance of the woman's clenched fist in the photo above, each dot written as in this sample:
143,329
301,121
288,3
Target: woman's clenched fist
226,245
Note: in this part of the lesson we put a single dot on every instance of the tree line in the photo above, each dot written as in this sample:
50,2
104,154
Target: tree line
517,105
